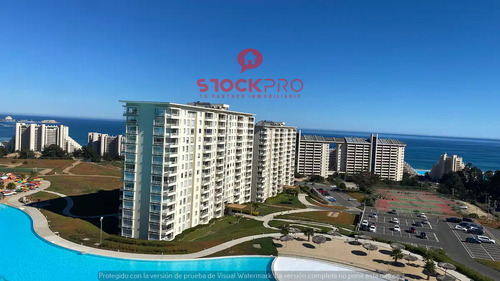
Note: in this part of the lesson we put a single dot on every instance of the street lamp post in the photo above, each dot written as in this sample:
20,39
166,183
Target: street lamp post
100,236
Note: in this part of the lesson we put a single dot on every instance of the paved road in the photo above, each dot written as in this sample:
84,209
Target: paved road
342,199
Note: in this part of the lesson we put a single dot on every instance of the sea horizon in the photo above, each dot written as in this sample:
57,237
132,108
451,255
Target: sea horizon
421,150
4,114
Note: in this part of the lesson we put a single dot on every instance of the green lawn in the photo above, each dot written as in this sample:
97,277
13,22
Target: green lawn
490,263
80,185
335,218
267,248
357,195
225,229
286,199
87,231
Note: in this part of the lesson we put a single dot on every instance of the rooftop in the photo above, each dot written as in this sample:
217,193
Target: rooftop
219,107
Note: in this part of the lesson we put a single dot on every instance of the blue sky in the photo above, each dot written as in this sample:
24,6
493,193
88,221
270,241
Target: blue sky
419,67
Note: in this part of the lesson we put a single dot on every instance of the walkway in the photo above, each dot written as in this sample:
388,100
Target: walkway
66,170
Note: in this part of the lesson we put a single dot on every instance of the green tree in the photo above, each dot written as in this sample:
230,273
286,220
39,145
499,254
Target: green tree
396,254
255,207
33,174
78,153
285,229
316,178
452,183
342,185
26,154
3,151
11,186
366,181
308,232
430,268
90,154
54,151
2,185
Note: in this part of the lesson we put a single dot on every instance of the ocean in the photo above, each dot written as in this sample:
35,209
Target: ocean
421,151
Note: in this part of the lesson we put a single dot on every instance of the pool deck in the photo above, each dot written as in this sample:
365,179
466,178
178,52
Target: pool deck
339,251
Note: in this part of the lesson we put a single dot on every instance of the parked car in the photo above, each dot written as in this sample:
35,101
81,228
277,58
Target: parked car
323,192
476,231
395,220
425,222
463,207
396,228
464,224
373,215
351,199
372,228
459,227
423,235
364,223
335,189
393,211
453,219
467,219
485,239
472,240
412,230
331,199
422,215
417,223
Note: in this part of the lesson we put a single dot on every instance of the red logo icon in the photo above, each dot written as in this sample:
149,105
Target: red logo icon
249,59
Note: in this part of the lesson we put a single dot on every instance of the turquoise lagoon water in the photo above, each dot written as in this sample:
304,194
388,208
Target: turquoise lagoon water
26,256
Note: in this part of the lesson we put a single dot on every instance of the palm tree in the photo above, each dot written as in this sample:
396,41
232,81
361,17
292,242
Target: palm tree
309,232
396,254
430,268
255,207
285,229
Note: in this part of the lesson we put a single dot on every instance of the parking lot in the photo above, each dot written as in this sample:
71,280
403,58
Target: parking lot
385,226
477,251
342,198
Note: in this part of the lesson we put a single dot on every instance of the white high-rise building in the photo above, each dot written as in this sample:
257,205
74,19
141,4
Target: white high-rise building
106,144
36,137
313,155
274,159
183,164
446,164
383,157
